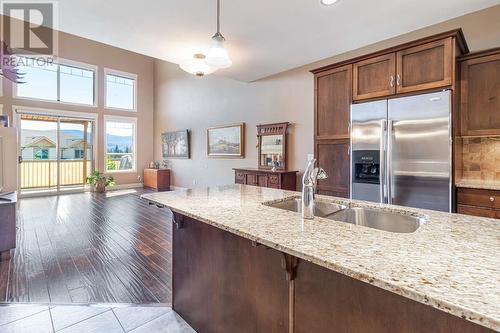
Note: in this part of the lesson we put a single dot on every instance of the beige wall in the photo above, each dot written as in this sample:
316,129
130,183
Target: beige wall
104,56
184,101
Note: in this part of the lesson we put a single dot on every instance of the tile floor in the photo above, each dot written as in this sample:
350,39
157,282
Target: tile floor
90,319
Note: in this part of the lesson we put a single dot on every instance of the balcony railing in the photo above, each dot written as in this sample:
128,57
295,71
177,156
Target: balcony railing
43,173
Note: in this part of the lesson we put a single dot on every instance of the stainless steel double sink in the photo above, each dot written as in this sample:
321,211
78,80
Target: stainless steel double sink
368,217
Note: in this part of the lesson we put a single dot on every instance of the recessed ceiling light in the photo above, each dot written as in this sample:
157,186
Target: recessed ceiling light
328,2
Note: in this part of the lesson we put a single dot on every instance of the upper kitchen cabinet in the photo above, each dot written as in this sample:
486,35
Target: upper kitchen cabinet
422,65
375,77
480,94
333,100
426,66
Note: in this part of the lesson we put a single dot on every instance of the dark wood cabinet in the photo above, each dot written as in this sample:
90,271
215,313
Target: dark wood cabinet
156,179
478,202
331,139
225,283
375,77
327,301
480,94
426,64
7,226
424,67
280,179
333,157
333,100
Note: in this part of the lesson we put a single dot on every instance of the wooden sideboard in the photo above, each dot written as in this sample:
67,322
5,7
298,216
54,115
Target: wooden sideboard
157,179
280,179
7,225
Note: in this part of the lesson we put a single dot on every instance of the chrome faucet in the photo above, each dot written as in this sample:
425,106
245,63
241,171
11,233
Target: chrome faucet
309,181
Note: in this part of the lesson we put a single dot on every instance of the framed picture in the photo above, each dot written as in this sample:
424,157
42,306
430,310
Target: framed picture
175,144
226,141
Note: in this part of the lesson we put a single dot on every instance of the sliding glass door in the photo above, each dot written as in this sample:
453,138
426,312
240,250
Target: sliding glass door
57,152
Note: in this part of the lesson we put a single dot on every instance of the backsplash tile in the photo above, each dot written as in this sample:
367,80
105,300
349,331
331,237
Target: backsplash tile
481,158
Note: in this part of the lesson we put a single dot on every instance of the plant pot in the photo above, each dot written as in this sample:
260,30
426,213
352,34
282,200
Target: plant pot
100,187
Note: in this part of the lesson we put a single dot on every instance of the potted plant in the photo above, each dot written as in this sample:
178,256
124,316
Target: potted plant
100,181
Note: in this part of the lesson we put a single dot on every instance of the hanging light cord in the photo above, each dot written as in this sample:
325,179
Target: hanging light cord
218,16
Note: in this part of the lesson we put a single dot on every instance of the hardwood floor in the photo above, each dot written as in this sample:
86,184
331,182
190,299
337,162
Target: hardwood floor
89,248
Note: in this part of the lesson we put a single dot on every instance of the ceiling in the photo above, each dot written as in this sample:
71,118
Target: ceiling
264,37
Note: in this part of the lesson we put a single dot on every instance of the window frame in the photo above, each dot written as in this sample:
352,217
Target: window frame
69,63
119,119
124,75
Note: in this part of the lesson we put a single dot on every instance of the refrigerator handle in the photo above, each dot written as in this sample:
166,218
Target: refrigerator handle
389,175
383,135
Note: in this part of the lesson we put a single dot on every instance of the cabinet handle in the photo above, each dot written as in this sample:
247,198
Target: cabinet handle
392,81
492,199
398,80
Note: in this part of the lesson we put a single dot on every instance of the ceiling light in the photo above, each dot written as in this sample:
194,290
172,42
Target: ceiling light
217,55
328,2
197,66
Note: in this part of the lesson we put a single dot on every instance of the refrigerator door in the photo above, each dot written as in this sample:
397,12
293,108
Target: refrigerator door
419,151
368,123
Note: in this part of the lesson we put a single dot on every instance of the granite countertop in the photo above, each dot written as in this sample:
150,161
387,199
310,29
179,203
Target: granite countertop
452,262
479,184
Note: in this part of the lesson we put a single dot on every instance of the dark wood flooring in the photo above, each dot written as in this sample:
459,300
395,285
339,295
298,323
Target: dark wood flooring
89,248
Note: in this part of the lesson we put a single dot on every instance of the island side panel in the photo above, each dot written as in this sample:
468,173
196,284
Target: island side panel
326,301
225,283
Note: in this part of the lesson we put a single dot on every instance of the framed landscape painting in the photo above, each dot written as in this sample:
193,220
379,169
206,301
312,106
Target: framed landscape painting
175,144
226,141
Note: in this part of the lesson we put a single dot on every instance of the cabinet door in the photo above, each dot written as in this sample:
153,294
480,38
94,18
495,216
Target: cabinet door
252,179
239,177
475,211
262,180
224,283
150,178
327,301
333,101
480,96
375,77
425,66
333,157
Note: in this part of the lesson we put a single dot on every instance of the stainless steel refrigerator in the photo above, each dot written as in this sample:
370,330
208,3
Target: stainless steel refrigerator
401,151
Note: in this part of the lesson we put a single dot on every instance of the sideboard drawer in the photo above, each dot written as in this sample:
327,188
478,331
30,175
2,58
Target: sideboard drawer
274,179
240,178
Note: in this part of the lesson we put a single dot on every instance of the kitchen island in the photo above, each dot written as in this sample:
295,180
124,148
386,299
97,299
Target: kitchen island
241,265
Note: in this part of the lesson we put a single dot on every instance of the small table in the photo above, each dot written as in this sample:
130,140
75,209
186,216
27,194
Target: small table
7,225
157,179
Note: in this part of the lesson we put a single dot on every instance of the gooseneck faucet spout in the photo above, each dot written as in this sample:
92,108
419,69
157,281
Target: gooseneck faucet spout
309,181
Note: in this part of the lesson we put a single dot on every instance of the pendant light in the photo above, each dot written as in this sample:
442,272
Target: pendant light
217,55
197,66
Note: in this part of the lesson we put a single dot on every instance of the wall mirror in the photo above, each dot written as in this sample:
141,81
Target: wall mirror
272,145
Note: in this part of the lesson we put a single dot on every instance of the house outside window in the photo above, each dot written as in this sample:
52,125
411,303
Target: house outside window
120,143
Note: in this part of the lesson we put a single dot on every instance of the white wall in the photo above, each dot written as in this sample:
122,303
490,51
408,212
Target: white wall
184,101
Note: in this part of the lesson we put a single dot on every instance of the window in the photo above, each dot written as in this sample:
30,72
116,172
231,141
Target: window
120,144
41,154
56,82
78,154
120,90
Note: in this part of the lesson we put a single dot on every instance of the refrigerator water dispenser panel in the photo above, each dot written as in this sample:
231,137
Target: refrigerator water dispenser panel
366,167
